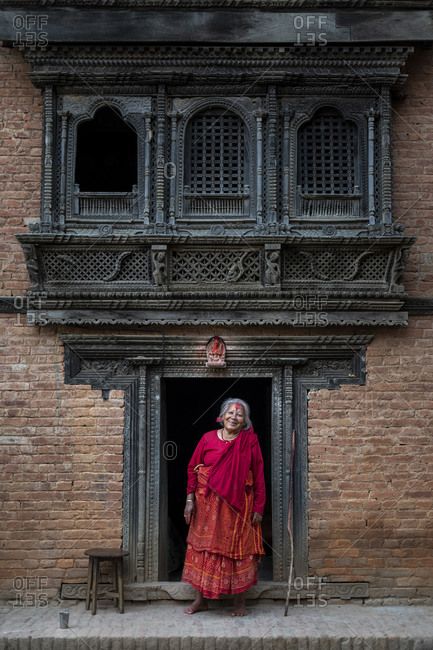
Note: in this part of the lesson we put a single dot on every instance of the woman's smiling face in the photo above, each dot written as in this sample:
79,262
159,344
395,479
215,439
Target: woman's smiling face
234,418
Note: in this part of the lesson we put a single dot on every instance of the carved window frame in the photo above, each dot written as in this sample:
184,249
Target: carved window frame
75,110
63,113
348,114
195,108
221,164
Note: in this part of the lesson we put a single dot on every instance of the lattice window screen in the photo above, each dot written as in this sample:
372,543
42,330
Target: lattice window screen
217,163
328,150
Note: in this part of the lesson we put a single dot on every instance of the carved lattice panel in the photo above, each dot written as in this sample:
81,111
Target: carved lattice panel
327,155
210,266
97,266
335,265
135,267
217,154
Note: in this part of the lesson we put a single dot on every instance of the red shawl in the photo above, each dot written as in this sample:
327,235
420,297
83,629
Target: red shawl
228,475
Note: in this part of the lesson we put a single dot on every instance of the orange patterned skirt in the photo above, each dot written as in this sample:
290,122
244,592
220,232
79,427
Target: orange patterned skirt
223,547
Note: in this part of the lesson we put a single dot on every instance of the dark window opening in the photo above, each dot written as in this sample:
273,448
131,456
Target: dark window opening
106,159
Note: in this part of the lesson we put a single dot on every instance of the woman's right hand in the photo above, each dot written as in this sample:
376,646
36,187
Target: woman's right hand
189,511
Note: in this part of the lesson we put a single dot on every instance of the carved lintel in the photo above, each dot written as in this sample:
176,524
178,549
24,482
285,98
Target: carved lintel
316,66
172,278
222,318
141,360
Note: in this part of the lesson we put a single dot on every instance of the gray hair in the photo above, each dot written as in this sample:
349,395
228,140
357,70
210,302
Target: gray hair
235,400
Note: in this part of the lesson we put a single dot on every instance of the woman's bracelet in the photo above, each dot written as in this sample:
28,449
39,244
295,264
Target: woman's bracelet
190,500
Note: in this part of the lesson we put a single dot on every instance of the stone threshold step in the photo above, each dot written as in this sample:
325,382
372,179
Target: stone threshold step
164,626
210,643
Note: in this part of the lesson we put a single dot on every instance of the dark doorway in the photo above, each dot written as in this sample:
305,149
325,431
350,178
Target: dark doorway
189,409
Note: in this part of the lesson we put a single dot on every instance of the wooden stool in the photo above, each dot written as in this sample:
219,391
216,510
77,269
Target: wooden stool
97,555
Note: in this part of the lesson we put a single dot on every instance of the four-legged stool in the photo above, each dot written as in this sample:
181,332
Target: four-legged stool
97,555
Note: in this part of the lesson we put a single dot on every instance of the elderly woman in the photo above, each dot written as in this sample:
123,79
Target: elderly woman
224,508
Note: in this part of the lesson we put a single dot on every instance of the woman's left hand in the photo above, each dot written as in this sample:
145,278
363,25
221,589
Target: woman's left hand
257,518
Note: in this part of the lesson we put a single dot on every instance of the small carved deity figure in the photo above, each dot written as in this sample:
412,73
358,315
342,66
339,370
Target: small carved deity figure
272,271
216,353
159,271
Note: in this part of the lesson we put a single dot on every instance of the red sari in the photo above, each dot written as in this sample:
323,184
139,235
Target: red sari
223,546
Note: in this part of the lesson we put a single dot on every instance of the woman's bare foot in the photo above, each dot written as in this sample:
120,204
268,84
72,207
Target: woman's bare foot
199,605
239,608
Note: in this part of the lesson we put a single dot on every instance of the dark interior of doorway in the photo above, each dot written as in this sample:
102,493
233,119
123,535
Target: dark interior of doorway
191,409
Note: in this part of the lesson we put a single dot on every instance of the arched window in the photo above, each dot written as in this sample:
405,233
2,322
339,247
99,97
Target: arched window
105,165
328,166
216,165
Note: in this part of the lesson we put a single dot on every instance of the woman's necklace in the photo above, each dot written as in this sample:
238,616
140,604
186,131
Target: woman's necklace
225,433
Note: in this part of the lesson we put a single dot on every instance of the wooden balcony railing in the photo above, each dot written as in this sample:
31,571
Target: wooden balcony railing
105,204
216,205
336,206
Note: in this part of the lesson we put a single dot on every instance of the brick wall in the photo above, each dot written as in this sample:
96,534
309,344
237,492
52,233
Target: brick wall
20,165
413,170
370,481
370,447
61,464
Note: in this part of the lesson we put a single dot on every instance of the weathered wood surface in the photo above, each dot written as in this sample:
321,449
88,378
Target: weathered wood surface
68,25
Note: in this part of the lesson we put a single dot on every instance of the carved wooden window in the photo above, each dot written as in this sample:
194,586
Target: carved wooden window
216,166
328,167
105,167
